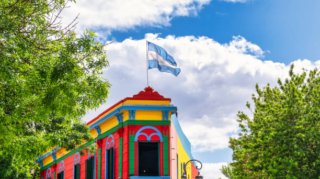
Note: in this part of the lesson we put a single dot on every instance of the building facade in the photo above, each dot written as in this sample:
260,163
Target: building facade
137,138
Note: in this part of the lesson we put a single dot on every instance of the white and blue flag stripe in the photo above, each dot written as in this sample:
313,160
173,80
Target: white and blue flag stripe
159,58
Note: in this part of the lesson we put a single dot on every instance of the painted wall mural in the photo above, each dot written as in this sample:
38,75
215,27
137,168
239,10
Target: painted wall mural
137,137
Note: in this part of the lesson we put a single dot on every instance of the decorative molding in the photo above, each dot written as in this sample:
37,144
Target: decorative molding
109,142
76,158
54,155
48,173
135,108
61,166
132,114
149,94
119,117
47,154
165,115
156,132
97,128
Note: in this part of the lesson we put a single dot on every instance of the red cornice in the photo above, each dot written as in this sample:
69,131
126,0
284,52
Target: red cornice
147,94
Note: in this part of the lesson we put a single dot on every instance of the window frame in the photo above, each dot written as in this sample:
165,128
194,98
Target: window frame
158,156
74,171
62,172
93,167
112,149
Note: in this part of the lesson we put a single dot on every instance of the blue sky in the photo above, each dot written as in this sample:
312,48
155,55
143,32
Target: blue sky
223,47
286,29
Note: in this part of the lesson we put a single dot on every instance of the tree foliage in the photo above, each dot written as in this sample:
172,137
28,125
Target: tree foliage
282,137
49,78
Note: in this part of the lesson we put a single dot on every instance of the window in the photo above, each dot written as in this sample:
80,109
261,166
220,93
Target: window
148,158
177,166
90,168
109,163
76,171
61,175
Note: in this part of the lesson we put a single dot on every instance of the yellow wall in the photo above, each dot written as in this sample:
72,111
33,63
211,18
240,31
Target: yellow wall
147,102
108,124
93,133
61,152
47,160
125,115
138,102
183,158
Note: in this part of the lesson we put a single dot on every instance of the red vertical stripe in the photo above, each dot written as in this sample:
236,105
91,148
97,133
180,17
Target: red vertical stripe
103,158
125,153
136,159
68,167
116,154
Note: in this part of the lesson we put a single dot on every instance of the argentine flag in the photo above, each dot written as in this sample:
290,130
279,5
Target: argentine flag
159,58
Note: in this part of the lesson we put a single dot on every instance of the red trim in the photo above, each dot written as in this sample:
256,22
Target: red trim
116,155
103,158
54,170
125,156
161,158
136,159
147,94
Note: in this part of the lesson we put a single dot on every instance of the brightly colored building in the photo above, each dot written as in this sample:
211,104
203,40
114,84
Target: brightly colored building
138,137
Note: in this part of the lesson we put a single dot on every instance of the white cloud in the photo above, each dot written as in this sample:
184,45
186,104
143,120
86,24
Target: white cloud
201,129
241,45
236,1
212,170
123,14
215,82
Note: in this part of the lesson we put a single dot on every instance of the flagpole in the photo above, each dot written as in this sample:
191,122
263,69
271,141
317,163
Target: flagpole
147,63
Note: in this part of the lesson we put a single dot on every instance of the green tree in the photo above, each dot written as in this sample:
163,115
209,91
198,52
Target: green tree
281,139
49,78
